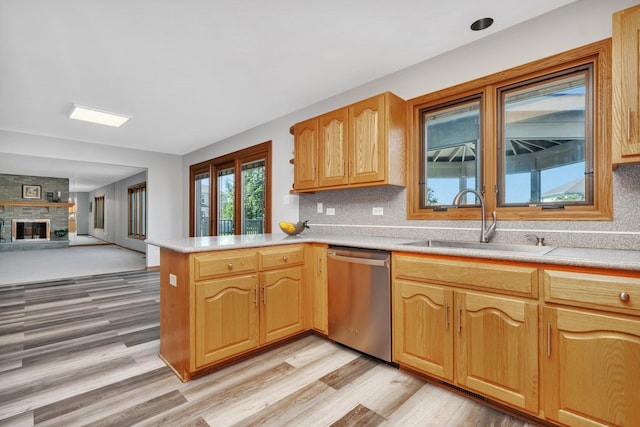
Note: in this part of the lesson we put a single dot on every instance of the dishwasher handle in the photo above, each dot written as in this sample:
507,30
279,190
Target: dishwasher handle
358,260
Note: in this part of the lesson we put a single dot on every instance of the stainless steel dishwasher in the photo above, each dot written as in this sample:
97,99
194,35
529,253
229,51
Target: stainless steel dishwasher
359,298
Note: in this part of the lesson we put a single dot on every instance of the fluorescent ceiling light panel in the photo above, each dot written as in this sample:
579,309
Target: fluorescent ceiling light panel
93,115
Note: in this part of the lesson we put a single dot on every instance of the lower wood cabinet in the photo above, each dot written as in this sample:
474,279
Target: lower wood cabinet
497,348
423,327
223,304
591,359
561,344
317,278
591,368
226,318
281,304
558,343
491,340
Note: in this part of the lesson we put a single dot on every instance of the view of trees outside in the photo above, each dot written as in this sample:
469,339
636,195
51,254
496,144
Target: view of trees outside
252,199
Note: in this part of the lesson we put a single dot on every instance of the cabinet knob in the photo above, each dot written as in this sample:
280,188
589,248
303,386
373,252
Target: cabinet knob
285,258
624,296
230,266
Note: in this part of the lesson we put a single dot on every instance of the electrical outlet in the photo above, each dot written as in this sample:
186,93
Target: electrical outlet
319,207
331,211
377,211
173,280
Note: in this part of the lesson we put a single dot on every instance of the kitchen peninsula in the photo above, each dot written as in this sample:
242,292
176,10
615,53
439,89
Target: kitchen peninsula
502,324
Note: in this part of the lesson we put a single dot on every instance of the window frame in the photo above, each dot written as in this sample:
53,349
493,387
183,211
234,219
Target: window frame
465,99
599,54
137,222
98,212
212,166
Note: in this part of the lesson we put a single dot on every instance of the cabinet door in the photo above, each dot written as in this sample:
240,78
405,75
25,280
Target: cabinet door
422,327
319,281
281,306
497,348
626,98
332,149
305,155
367,141
226,318
592,368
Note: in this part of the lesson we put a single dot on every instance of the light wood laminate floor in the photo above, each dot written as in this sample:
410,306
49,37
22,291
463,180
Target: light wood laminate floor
84,351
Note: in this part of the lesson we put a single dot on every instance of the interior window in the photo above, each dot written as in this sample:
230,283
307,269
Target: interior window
98,213
450,149
137,211
545,140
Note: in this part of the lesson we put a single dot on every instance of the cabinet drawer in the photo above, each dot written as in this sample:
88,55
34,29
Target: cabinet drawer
282,256
508,279
209,265
584,289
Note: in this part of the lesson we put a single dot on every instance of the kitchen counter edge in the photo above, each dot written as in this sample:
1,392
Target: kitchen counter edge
579,257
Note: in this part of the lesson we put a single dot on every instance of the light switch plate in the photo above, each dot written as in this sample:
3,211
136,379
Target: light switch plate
319,207
173,280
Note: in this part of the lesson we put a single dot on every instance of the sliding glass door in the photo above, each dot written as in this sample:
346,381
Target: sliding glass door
200,204
238,201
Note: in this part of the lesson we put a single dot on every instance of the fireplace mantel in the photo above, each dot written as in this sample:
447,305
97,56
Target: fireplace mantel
36,204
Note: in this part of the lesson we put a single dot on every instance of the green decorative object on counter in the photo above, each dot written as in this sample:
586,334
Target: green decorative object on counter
61,232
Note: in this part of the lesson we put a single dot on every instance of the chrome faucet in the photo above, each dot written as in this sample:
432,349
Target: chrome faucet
485,233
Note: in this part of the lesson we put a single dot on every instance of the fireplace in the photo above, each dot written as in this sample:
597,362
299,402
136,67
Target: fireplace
30,229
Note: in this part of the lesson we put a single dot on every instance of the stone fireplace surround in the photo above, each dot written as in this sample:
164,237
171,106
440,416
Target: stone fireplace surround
13,206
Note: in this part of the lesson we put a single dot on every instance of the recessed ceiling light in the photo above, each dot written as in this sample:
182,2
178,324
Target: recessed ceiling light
93,115
481,24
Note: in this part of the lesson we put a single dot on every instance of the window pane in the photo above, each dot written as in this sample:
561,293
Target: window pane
143,214
226,197
450,147
543,144
253,200
201,208
132,211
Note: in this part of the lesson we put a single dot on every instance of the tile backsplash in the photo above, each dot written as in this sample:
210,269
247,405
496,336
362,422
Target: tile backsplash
353,215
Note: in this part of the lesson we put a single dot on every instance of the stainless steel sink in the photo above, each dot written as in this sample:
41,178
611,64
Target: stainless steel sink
504,247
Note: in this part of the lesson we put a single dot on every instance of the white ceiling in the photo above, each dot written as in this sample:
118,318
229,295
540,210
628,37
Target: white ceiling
193,72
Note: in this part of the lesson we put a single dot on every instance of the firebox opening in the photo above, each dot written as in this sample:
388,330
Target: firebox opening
30,229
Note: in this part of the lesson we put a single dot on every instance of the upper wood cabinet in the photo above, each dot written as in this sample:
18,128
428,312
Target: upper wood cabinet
305,148
626,99
355,146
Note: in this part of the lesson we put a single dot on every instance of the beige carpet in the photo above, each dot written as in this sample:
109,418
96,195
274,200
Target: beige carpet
85,239
50,264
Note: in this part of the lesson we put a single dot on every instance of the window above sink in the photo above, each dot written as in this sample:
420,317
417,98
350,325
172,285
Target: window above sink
533,140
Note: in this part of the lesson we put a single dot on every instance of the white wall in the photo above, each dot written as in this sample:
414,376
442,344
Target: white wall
121,212
577,24
108,232
164,176
82,212
115,213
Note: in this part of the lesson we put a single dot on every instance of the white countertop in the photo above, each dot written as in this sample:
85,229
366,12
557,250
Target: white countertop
583,257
